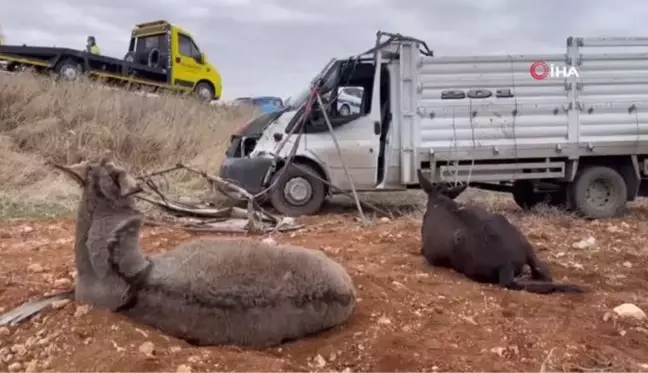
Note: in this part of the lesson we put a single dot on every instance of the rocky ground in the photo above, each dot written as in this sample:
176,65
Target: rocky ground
410,317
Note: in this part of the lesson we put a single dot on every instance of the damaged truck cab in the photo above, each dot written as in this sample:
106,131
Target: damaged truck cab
260,150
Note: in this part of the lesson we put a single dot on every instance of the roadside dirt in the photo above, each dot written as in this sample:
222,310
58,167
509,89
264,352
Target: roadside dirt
410,317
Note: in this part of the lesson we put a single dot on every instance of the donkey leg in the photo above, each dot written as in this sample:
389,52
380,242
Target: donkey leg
507,278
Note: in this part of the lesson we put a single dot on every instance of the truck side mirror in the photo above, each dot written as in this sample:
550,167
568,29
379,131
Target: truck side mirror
200,58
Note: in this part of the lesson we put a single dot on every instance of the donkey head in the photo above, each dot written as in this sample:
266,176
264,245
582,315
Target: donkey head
440,189
104,179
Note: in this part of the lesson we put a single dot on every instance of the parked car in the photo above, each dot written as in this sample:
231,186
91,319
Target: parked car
267,104
349,100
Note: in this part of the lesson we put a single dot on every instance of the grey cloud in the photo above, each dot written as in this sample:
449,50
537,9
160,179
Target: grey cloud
274,46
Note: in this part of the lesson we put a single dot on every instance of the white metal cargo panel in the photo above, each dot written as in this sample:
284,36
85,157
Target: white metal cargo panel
604,111
534,115
613,94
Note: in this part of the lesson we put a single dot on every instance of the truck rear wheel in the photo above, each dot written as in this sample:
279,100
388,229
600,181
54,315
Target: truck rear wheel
296,191
68,69
204,91
598,192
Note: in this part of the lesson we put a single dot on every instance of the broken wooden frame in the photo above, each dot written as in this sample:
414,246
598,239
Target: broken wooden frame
254,219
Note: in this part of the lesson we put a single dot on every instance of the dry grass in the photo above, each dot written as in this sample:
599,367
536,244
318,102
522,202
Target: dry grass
68,122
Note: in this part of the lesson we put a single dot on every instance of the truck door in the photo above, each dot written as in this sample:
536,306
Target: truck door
186,68
358,133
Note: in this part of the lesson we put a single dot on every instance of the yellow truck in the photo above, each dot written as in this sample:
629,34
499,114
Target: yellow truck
160,56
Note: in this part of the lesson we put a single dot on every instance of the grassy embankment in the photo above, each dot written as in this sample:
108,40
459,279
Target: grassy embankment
68,122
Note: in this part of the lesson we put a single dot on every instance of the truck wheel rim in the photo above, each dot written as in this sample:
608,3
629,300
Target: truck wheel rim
600,194
298,191
69,72
344,110
204,93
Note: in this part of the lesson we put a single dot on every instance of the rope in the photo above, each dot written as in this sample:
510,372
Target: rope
474,143
306,114
515,110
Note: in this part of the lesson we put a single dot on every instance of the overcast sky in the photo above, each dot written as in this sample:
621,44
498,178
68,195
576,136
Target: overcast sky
273,47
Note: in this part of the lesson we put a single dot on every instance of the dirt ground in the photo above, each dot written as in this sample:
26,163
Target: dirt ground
410,317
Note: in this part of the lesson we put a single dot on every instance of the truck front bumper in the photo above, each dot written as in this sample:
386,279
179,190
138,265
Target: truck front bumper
245,172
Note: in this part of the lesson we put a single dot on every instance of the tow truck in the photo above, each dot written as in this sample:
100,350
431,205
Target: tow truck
161,56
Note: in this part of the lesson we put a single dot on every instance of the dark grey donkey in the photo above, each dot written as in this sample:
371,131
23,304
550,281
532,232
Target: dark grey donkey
205,291
483,246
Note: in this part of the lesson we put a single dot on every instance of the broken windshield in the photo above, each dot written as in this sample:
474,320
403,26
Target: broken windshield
329,74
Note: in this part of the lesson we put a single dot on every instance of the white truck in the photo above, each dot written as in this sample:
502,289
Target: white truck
566,129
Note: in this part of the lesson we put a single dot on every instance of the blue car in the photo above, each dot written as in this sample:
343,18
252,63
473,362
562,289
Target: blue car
267,104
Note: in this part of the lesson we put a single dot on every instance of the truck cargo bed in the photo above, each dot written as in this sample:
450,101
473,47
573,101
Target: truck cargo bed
483,108
48,57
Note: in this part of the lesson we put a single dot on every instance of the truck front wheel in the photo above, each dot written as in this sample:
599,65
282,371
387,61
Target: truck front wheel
297,191
68,69
204,91
599,192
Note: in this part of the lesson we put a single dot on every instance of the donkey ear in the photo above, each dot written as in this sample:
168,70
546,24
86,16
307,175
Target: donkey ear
127,184
425,183
78,172
106,158
453,191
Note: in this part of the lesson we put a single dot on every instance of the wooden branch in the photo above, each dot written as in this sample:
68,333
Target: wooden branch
236,188
232,229
157,173
202,212
219,180
225,220
252,224
228,226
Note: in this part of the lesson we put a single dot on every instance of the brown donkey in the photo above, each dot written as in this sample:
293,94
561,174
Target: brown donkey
207,291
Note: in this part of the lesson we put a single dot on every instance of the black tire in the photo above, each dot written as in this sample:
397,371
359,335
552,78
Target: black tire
344,108
14,67
606,200
524,195
204,91
153,59
302,176
68,69
559,198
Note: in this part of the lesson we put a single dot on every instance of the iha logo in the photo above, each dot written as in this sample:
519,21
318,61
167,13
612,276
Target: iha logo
540,70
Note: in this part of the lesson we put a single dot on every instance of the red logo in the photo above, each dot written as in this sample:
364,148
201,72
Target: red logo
539,70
